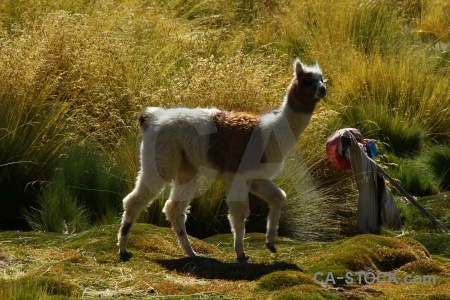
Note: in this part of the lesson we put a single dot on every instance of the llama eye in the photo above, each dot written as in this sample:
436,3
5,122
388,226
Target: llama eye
307,82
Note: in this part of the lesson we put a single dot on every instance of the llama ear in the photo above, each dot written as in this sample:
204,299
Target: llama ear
315,65
298,68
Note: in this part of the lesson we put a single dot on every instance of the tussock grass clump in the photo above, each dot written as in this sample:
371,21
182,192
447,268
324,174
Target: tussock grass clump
438,244
398,135
32,135
58,211
86,188
413,174
282,279
424,267
309,213
438,159
399,88
30,287
95,180
369,252
434,21
438,206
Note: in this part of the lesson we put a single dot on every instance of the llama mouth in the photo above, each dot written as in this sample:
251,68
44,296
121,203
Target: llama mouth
318,96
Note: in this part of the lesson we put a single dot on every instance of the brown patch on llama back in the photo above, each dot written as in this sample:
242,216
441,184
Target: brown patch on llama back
228,145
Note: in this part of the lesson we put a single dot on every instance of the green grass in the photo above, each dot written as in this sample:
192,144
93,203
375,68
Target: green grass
41,288
93,178
58,211
282,279
438,158
396,132
436,205
87,265
85,189
32,134
413,174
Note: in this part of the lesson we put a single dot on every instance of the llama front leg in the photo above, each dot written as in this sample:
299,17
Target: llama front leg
274,196
238,212
176,210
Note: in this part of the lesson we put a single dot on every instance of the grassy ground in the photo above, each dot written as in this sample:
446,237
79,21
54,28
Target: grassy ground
87,265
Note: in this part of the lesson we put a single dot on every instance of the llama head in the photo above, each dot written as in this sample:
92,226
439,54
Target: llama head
307,87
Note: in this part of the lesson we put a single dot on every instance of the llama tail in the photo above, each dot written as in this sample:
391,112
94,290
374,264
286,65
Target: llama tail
148,116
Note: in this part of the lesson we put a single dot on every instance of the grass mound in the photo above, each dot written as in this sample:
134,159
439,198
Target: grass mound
424,267
438,244
369,252
282,279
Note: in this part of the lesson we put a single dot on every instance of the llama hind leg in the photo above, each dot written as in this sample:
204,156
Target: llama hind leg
238,212
133,204
176,210
274,196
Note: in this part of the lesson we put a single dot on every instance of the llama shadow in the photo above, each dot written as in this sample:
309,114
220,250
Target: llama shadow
210,268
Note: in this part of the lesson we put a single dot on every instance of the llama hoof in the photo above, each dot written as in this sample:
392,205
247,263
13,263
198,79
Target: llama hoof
243,259
125,256
271,247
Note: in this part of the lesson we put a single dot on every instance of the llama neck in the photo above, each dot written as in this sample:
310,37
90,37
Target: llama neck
284,126
297,109
297,119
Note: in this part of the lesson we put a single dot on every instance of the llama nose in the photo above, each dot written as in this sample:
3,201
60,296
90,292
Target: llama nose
321,91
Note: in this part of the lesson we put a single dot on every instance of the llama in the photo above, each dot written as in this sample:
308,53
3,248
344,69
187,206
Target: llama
180,145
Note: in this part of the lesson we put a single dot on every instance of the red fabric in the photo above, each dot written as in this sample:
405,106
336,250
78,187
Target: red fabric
340,162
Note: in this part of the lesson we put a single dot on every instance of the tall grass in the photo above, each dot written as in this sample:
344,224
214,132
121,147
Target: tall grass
32,132
434,22
80,71
411,87
94,179
309,213
399,135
